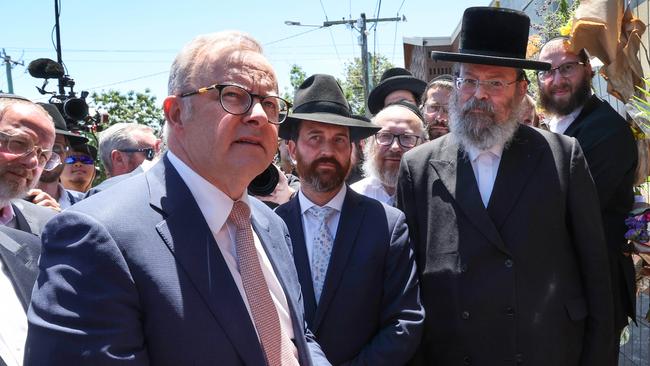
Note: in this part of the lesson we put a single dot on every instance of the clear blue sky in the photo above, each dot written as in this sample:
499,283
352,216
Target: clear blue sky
129,45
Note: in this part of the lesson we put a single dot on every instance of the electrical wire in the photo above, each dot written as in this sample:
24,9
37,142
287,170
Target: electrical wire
290,37
330,30
128,80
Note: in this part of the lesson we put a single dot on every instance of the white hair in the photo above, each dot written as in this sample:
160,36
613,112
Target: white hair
116,137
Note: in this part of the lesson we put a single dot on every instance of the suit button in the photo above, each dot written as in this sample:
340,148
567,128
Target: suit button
508,263
510,311
465,315
467,361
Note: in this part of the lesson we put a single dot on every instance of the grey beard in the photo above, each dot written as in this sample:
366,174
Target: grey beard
481,132
372,170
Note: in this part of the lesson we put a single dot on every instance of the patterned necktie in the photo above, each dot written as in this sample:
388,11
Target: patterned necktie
263,310
322,247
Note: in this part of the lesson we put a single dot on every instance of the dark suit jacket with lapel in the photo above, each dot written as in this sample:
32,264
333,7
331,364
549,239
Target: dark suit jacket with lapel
136,278
110,182
31,218
370,311
19,253
525,279
611,153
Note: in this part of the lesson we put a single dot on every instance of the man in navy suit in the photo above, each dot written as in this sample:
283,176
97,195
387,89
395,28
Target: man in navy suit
178,266
352,253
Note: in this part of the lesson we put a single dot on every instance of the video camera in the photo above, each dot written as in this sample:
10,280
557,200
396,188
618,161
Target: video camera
74,109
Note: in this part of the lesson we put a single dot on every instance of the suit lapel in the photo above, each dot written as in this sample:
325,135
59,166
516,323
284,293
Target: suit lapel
455,171
21,264
591,104
188,237
518,162
352,213
22,222
293,220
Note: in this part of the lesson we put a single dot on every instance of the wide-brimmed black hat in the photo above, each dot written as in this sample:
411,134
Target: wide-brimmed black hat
60,126
493,36
85,148
320,98
394,79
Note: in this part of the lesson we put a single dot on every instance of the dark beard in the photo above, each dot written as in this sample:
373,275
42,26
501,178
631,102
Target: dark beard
481,131
318,181
577,99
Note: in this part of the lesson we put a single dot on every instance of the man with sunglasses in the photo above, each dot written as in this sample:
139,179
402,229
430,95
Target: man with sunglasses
124,146
178,265
49,192
402,128
80,170
610,150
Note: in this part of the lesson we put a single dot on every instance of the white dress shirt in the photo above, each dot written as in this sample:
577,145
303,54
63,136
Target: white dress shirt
372,187
485,165
13,322
215,207
559,124
310,224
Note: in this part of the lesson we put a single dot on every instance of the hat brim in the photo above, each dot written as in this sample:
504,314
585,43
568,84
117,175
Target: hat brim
73,138
358,129
379,93
490,60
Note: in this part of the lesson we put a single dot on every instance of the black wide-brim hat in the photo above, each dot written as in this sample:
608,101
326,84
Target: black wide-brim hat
493,36
320,99
60,127
393,79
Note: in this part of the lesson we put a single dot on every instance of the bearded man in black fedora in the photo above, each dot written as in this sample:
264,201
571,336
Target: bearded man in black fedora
355,265
505,221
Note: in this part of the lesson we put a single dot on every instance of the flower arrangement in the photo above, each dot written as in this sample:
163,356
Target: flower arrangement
639,239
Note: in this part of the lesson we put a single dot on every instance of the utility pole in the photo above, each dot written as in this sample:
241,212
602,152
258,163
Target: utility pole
363,42
8,65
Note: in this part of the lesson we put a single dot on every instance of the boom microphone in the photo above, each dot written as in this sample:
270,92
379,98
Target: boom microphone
44,68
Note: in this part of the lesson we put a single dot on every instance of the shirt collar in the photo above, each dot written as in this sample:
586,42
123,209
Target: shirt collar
214,204
569,118
336,202
473,152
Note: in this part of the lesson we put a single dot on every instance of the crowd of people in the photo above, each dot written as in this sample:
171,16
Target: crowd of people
454,227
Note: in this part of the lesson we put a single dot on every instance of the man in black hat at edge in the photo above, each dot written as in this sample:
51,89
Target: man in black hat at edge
355,265
504,220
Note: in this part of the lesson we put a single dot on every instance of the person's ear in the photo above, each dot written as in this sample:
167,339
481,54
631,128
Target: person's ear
291,147
172,107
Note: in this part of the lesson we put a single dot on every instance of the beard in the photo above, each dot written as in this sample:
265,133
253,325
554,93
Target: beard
480,130
375,169
562,108
11,186
321,181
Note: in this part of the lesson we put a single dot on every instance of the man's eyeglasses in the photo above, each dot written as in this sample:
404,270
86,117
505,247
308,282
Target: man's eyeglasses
436,108
21,147
237,100
83,159
60,149
467,85
566,70
149,152
405,140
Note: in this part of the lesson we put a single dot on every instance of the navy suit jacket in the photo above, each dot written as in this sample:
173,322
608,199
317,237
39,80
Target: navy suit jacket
135,277
369,312
19,253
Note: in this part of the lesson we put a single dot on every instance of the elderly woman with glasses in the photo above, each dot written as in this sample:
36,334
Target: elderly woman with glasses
79,171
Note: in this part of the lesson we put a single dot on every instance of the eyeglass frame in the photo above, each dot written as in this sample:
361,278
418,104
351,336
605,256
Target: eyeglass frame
52,161
551,73
440,108
398,137
78,158
220,87
479,82
149,152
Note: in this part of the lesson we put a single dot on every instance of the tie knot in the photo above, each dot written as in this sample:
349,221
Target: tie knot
321,213
240,215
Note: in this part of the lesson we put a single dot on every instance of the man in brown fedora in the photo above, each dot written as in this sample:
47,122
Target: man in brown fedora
355,265
504,220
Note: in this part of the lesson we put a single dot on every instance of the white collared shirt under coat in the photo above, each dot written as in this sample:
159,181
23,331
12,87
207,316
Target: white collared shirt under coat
485,170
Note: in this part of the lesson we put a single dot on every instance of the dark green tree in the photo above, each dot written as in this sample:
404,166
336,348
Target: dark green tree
352,83
129,107
296,76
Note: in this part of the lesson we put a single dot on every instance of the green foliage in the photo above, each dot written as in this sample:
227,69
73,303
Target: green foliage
555,15
130,107
352,83
296,76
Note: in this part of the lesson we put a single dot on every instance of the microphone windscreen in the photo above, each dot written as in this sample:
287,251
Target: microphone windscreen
44,68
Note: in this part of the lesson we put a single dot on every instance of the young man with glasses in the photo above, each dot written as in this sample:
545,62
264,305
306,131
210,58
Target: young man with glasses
435,105
504,220
402,128
610,150
80,170
178,265
355,265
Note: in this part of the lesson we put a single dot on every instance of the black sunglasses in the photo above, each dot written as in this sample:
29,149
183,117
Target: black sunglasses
83,159
149,152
